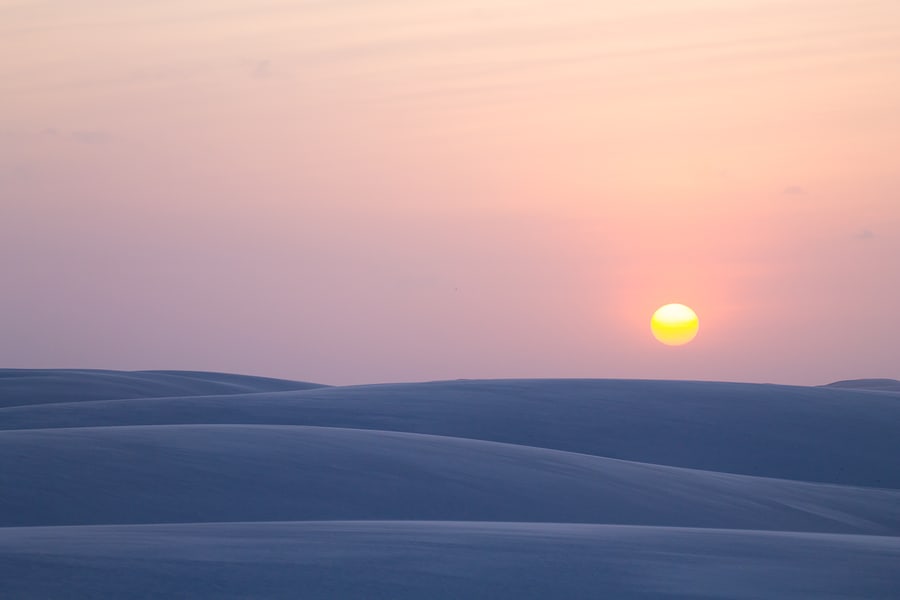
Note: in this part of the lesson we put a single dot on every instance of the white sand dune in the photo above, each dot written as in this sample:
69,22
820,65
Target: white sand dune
38,386
801,433
194,485
184,473
441,560
875,385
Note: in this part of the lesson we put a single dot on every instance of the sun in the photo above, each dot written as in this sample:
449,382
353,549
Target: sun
674,324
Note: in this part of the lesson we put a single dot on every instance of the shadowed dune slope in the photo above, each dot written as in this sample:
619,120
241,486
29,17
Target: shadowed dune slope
874,385
441,561
170,484
164,474
38,386
809,434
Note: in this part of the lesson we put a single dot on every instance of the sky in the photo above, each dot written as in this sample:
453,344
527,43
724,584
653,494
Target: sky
348,191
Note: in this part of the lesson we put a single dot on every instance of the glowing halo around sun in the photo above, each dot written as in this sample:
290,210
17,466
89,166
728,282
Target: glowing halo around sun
674,324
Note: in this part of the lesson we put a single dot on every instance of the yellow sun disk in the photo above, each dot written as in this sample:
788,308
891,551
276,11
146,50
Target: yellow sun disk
674,324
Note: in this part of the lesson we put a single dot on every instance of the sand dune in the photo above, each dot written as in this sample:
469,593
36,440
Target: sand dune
168,474
38,386
416,559
801,433
216,485
874,385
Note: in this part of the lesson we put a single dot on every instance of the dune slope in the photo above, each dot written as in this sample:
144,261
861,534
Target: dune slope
38,386
201,485
809,434
412,560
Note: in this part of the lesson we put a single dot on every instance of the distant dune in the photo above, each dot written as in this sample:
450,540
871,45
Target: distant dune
38,386
194,485
880,385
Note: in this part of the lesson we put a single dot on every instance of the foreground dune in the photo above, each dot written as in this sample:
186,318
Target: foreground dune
420,559
196,485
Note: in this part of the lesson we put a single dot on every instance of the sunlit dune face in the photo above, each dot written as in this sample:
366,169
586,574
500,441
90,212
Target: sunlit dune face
674,324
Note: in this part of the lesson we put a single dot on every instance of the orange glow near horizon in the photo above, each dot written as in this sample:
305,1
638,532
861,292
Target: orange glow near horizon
476,188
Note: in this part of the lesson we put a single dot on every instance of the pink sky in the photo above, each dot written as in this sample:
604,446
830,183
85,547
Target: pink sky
348,192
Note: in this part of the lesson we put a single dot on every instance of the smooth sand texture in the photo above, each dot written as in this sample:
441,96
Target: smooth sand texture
461,489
